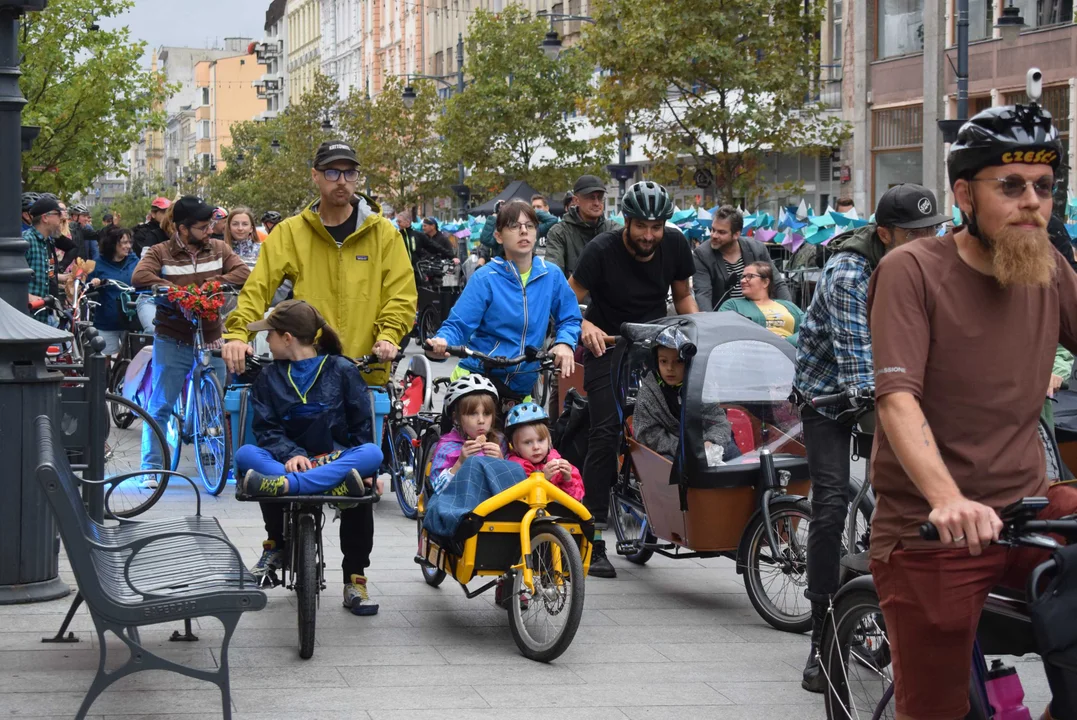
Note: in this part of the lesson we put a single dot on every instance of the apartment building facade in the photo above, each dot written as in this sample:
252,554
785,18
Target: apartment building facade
898,81
303,44
272,55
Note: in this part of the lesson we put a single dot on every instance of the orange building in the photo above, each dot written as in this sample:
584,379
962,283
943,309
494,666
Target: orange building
228,96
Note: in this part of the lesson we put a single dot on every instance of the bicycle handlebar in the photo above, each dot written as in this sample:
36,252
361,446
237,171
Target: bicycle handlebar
1020,527
364,362
530,355
849,398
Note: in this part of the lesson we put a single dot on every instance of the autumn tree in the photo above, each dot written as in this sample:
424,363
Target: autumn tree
714,82
401,159
517,117
86,90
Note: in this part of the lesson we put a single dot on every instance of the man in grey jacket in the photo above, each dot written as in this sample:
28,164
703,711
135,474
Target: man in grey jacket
580,224
721,262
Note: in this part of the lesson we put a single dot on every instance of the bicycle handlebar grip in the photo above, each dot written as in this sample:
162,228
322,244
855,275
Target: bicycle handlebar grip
928,531
457,351
829,400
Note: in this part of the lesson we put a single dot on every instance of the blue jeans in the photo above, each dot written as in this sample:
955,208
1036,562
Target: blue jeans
112,341
172,360
146,307
366,459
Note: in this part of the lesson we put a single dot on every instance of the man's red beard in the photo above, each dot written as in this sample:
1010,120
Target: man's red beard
1022,256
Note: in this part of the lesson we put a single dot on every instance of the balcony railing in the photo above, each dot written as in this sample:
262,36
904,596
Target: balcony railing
828,90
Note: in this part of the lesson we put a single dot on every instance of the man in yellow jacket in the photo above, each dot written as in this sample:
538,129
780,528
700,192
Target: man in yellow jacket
343,258
347,261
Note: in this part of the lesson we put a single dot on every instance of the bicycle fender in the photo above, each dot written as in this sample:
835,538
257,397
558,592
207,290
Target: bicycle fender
775,503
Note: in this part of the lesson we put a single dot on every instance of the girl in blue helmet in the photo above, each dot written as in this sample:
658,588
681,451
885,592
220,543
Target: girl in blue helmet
530,446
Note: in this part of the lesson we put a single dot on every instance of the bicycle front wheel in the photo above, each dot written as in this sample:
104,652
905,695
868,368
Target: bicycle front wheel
854,656
124,450
212,447
406,471
120,416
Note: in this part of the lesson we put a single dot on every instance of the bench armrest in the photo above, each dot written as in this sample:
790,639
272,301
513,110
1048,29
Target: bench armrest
136,546
115,481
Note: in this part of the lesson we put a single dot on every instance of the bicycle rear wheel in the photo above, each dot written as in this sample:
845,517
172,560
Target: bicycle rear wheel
306,586
123,454
405,470
855,658
212,447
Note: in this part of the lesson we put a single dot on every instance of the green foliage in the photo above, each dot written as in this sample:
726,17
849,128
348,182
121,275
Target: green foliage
715,81
399,156
134,205
518,101
262,177
86,91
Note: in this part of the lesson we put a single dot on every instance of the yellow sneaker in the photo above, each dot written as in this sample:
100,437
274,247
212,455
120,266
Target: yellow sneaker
357,598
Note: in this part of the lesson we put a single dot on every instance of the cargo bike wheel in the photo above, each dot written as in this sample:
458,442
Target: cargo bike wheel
775,581
428,441
307,581
545,621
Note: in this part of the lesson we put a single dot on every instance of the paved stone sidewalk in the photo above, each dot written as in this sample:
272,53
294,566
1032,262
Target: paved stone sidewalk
674,639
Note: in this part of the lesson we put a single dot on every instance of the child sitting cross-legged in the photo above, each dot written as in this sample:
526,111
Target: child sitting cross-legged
313,425
528,431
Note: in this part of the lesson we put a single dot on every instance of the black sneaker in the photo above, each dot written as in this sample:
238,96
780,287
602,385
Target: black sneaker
600,564
813,681
353,486
255,484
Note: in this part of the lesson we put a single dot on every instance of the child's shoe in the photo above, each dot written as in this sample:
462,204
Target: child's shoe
255,484
357,598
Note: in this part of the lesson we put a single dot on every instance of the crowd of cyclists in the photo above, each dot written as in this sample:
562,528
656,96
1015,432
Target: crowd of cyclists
954,332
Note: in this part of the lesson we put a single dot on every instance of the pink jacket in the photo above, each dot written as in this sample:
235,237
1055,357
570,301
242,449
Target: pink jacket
573,484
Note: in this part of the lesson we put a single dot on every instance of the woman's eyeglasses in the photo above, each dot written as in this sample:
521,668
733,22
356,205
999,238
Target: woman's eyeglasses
1014,186
333,174
529,227
749,276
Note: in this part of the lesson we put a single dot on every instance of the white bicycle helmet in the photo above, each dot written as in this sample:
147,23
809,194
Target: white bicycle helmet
468,385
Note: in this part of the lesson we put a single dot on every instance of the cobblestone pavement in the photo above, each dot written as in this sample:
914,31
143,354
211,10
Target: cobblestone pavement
672,639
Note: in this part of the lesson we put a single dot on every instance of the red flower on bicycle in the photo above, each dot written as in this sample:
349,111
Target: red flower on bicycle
203,302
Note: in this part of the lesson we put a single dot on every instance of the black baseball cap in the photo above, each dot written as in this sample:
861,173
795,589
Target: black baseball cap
330,152
189,210
588,184
44,204
909,206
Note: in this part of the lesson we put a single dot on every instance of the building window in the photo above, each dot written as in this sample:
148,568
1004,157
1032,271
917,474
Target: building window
981,20
203,130
1040,13
205,95
835,29
897,138
901,27
979,104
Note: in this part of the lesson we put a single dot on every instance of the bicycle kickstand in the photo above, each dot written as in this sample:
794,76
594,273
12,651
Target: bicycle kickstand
59,637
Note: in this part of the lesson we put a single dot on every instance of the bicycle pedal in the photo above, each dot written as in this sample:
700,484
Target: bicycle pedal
627,549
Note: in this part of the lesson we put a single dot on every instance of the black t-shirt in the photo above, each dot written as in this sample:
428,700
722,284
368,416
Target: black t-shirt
624,289
341,232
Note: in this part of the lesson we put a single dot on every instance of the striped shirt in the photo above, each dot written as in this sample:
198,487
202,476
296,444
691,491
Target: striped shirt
174,263
735,270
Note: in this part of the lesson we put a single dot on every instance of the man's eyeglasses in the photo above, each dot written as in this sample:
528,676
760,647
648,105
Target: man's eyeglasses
333,174
1014,186
521,226
51,212
200,228
920,233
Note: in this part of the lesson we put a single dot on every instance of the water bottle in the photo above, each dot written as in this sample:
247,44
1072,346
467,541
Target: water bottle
1005,693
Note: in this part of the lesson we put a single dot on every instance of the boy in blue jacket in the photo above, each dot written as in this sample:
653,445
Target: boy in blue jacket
507,305
313,424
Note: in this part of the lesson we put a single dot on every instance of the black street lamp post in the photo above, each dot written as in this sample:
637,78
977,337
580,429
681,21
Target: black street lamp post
623,171
28,542
463,193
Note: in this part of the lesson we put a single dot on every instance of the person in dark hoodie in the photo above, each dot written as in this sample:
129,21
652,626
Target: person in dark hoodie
834,355
150,233
116,262
581,223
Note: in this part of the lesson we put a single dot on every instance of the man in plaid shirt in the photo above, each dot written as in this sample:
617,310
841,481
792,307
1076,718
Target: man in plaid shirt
834,355
41,254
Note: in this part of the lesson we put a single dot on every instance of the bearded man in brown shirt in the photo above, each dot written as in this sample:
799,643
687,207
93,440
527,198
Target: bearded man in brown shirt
964,331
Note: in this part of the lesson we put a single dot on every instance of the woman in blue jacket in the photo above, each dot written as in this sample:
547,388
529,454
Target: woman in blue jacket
116,262
507,305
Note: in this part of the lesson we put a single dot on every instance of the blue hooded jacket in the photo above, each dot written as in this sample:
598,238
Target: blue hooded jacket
110,315
497,316
337,412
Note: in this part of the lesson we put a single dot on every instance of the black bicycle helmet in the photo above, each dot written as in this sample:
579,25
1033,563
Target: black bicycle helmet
28,199
1004,135
272,216
647,201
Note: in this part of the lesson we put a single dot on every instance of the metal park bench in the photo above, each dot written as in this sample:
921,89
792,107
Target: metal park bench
145,573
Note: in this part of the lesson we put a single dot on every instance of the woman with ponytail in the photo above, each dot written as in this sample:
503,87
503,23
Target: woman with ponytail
314,428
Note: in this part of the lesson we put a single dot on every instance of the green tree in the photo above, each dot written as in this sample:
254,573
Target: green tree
717,82
134,204
399,156
87,92
268,163
518,102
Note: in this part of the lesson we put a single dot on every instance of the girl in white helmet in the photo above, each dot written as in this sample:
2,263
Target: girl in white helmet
471,403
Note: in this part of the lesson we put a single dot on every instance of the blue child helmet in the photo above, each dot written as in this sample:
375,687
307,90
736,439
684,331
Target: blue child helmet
525,414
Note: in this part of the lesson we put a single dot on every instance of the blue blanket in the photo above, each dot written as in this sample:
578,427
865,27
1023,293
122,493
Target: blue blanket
479,479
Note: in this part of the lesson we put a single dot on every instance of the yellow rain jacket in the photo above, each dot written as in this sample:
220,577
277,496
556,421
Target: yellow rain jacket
365,288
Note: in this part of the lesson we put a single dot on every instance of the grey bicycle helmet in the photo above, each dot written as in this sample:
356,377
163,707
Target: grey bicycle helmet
79,210
28,199
468,385
271,216
647,201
